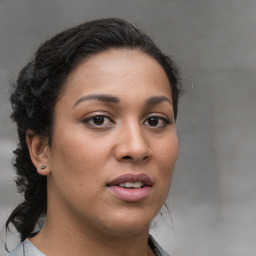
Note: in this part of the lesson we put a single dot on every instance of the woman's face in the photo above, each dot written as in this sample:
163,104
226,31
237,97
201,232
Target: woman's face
114,144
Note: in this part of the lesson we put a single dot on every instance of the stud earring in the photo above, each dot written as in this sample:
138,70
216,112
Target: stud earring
43,167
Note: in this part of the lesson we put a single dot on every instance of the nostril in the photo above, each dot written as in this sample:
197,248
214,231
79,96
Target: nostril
131,158
127,157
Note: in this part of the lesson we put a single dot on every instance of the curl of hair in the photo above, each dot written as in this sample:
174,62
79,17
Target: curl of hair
42,81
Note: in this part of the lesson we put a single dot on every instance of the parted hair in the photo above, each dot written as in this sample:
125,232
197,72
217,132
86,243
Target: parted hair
37,89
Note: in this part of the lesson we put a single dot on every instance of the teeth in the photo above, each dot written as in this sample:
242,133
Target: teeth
131,184
122,185
137,184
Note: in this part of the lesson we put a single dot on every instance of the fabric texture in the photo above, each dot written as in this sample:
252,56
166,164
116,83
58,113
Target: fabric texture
26,248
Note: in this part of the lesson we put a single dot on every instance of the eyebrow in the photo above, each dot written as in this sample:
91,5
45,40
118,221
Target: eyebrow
157,100
100,97
113,99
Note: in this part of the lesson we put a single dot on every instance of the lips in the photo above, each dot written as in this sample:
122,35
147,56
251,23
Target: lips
132,178
130,187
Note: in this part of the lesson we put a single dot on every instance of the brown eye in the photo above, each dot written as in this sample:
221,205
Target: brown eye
98,120
156,121
153,121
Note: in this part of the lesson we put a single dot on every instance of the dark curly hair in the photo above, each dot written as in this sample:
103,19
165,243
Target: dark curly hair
37,89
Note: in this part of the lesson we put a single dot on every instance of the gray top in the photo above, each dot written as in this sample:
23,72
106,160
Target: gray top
26,248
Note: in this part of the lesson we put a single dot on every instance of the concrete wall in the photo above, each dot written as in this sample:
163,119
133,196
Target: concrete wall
213,195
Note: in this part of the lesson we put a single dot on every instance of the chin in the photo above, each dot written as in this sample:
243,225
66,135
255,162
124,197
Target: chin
129,222
128,230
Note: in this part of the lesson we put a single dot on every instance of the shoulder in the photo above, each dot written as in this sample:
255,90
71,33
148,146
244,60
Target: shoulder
26,248
156,248
18,251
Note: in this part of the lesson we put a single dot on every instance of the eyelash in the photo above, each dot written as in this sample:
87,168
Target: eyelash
165,121
87,121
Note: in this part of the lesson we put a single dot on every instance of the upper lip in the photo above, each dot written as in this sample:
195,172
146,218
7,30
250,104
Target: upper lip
129,177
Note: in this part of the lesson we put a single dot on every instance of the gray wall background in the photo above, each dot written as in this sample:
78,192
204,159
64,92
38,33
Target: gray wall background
213,195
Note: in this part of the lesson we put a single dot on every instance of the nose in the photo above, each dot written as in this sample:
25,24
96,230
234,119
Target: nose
132,145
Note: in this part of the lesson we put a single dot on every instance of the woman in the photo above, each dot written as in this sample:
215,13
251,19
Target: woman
95,111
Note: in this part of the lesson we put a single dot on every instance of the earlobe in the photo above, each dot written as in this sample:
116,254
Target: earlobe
39,152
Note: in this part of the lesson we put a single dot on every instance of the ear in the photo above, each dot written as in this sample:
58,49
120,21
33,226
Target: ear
39,152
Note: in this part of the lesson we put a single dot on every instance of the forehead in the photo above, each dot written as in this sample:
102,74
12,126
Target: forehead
118,72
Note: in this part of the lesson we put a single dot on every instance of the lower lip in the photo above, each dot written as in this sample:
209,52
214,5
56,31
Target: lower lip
130,195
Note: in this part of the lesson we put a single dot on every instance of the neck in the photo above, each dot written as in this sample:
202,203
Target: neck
56,239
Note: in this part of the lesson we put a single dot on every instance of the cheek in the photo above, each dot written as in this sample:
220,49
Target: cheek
166,155
167,149
74,165
165,159
77,155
